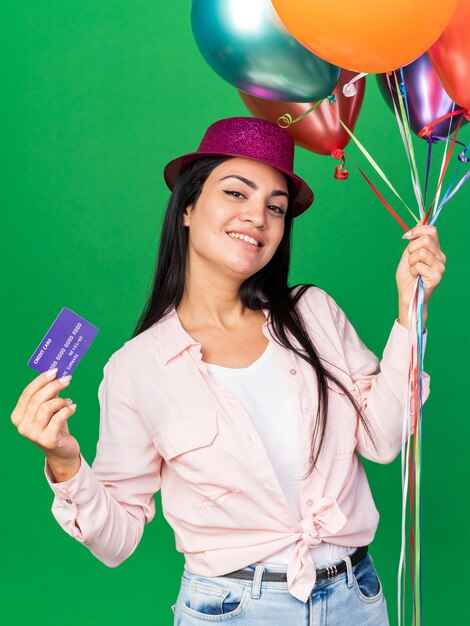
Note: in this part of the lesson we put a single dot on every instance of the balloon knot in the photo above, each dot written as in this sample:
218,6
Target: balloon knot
331,98
337,153
467,115
425,131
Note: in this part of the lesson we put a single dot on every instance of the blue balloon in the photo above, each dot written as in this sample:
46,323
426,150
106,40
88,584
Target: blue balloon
246,44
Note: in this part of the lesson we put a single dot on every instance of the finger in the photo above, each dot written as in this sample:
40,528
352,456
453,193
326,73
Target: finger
425,241
23,417
33,430
44,380
421,229
423,268
426,272
35,385
431,280
427,257
427,244
46,393
419,269
46,411
50,437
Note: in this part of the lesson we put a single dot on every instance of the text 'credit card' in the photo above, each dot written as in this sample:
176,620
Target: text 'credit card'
64,344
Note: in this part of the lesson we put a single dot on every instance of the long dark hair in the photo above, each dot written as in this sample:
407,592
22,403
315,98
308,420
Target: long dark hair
268,289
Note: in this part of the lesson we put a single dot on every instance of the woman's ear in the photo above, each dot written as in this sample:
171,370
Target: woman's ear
187,214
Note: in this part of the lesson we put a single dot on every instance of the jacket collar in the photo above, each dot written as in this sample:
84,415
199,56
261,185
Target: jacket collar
172,338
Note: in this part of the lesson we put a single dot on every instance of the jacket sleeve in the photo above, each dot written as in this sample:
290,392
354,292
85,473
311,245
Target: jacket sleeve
381,387
106,506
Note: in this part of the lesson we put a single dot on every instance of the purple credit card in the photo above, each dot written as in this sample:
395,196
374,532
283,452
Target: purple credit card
64,344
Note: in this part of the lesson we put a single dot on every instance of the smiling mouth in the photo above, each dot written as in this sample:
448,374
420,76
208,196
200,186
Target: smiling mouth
250,240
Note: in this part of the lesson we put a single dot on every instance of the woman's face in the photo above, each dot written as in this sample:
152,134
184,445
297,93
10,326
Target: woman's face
237,222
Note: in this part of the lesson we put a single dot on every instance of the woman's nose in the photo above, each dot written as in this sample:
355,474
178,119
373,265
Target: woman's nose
254,212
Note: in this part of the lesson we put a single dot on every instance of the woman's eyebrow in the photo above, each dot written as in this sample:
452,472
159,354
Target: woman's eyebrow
252,185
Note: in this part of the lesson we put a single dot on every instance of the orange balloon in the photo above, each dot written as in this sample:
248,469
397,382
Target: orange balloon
320,131
450,56
366,35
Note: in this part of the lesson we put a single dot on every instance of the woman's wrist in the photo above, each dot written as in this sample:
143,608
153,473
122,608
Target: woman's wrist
62,470
403,314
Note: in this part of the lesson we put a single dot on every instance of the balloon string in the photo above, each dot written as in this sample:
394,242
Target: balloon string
408,473
417,191
375,166
284,121
444,156
412,459
447,160
414,453
462,155
462,158
451,195
408,146
453,187
382,199
400,118
417,500
410,152
405,470
426,131
404,93
418,442
428,167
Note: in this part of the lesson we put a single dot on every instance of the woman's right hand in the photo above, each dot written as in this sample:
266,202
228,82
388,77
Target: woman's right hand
41,416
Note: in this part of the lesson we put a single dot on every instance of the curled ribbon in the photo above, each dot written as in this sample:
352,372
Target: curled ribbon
426,131
462,156
284,121
341,173
350,89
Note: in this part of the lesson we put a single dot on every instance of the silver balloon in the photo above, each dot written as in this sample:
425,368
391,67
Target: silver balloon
245,42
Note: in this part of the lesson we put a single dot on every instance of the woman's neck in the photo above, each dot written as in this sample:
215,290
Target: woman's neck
211,300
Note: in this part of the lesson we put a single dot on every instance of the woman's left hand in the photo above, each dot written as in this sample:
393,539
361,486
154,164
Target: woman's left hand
423,256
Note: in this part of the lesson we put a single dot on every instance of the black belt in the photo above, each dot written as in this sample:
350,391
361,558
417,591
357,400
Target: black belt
322,573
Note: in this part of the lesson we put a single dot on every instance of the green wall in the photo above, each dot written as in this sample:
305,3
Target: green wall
98,96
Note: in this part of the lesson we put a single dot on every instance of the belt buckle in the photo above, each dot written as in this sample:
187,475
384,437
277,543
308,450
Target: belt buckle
331,572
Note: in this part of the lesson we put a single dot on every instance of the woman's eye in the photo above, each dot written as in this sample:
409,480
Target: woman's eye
235,194
277,209
238,194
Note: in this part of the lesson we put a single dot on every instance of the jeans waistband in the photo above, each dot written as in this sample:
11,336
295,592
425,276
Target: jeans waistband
328,572
275,567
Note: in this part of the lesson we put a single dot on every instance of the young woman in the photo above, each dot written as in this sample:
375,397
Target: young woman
244,400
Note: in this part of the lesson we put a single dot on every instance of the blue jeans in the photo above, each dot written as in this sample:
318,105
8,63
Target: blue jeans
353,597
